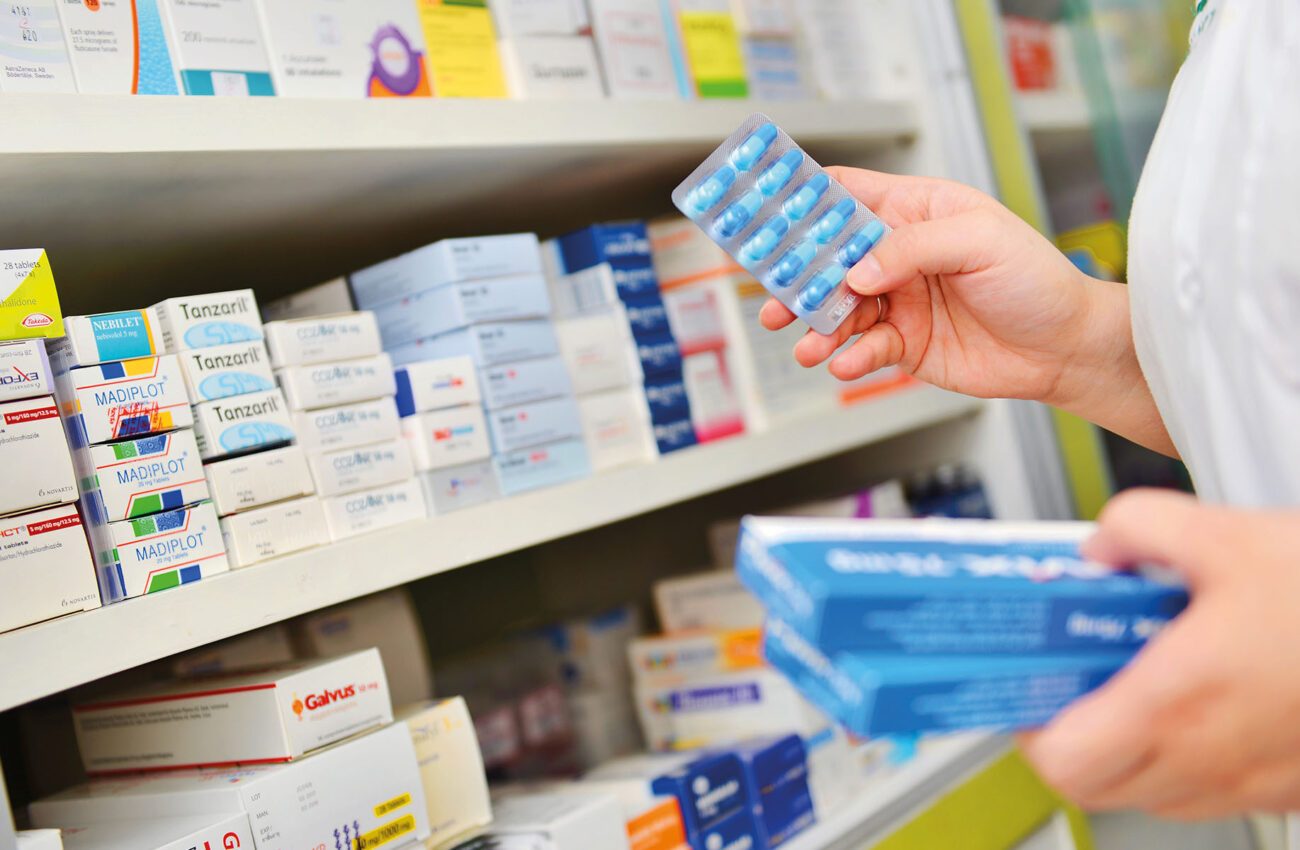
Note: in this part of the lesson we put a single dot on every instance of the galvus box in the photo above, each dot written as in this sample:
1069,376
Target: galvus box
947,587
260,717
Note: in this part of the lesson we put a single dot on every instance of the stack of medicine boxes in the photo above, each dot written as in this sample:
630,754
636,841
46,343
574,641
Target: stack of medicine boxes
242,425
128,419
340,385
623,249
486,298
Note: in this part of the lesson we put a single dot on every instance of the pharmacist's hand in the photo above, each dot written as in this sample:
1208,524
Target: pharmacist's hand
978,301
1203,723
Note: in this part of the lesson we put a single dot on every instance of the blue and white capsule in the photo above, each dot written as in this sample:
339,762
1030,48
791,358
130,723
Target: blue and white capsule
792,263
860,243
802,201
764,241
752,149
833,221
817,290
712,189
778,174
737,216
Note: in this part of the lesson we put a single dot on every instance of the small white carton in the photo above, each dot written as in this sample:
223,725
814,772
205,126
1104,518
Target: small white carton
215,318
599,351
524,382
366,788
569,821
253,480
143,476
258,535
361,467
265,647
709,600
616,424
323,299
633,41
45,567
254,717
347,425
435,384
217,47
451,437
225,370
317,385
192,832
536,17
488,344
34,455
320,339
525,425
39,839
371,510
226,426
451,767
24,370
446,261
107,337
158,552
455,305
552,67
580,293
454,488
110,401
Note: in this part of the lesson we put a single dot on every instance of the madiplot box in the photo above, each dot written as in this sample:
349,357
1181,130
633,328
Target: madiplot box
254,536
143,476
367,788
446,261
435,384
192,832
241,483
331,384
225,370
202,321
347,425
107,337
45,567
34,455
158,552
237,718
241,423
321,339
116,400
24,370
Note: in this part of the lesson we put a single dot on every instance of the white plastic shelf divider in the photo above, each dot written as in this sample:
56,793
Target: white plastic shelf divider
63,653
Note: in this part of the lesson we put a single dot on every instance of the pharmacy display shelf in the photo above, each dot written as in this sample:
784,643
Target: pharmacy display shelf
1055,112
60,654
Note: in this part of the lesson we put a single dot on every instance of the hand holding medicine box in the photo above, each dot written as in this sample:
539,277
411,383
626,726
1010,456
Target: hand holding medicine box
34,455
257,717
203,321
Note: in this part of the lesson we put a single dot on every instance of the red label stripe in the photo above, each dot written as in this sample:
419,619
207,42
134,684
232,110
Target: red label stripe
126,703
47,412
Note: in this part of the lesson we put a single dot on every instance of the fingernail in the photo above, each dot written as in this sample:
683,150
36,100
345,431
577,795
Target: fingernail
866,275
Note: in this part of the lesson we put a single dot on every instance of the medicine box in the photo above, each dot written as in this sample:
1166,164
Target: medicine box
715,409
227,370
320,339
143,476
542,466
710,600
634,46
667,399
454,488
242,423
616,424
709,787
264,647
455,305
24,370
886,694
622,244
118,48
265,716
112,401
680,657
371,510
675,436
647,316
217,47
253,480
45,567
215,318
367,786
29,302
435,384
158,552
32,54
524,382
444,438
446,261
251,537
347,425
192,832
656,826
776,69
317,385
488,344
34,454
536,17
532,424
323,299
579,293
451,767
739,829
660,357
568,821
947,586
361,467
552,67
38,839
599,352
776,775
463,58
107,337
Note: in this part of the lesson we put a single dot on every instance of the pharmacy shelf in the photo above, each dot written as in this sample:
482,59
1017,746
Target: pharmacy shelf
60,654
150,190
1053,112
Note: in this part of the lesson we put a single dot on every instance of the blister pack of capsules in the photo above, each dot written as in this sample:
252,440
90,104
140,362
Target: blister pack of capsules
784,219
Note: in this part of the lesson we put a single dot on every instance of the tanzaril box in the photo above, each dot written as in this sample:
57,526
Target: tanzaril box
45,567
225,370
250,481
270,715
311,387
24,370
34,455
227,426
29,303
258,535
143,476
215,318
947,586
106,337
451,767
367,789
158,552
112,401
192,832
320,339
446,261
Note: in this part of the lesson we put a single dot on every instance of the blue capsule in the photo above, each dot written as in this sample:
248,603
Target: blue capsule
860,243
737,216
703,197
792,263
752,149
806,197
764,240
833,221
779,173
817,290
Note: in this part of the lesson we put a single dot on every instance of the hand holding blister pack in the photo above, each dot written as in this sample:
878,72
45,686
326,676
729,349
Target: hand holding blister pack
782,217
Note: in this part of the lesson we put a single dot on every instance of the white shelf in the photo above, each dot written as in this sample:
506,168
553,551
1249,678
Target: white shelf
60,654
1055,112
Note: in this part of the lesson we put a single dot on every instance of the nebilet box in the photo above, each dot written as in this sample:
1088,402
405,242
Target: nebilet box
215,318
226,426
157,552
143,476
270,715
947,586
107,337
34,454
111,401
45,567
253,480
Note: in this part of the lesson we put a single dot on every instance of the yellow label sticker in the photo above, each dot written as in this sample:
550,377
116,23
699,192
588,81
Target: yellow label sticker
713,50
462,48
388,832
29,302
392,805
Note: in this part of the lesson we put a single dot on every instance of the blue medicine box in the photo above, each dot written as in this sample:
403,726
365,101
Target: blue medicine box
709,789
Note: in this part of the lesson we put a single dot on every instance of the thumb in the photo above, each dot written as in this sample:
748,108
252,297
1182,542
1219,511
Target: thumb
959,243
1147,526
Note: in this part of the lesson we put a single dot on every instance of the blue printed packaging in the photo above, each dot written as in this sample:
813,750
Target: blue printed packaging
488,344
666,396
738,830
659,356
674,436
112,401
942,586
776,777
647,316
709,789
157,552
132,478
202,321
784,219
873,695
622,244
107,337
